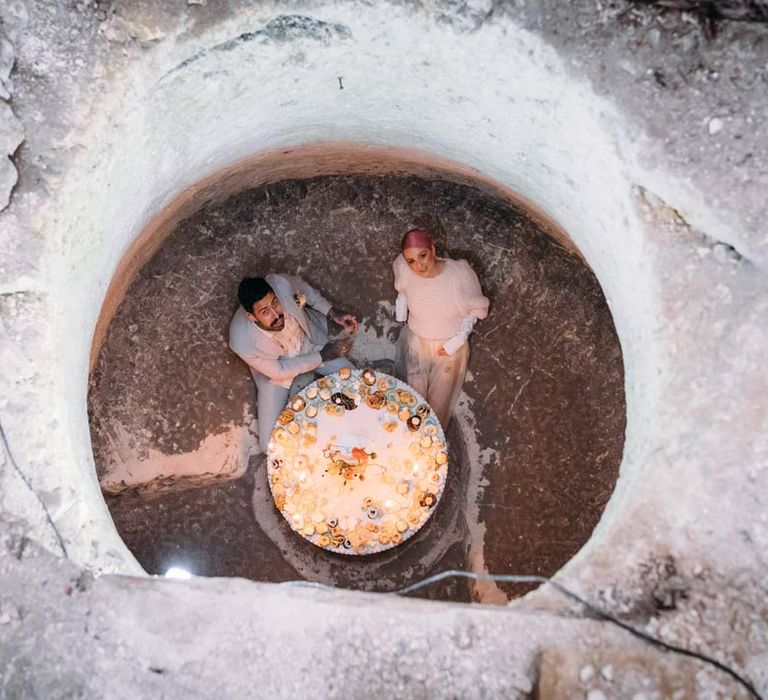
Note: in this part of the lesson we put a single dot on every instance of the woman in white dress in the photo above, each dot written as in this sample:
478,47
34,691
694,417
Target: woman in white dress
439,300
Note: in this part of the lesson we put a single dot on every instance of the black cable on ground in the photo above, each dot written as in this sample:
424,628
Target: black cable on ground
597,612
29,486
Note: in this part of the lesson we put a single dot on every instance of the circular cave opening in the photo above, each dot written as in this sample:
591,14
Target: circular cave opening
535,444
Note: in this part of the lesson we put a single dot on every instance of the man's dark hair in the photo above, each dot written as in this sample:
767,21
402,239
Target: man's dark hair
251,290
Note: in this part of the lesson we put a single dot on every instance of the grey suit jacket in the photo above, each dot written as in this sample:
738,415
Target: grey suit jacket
261,353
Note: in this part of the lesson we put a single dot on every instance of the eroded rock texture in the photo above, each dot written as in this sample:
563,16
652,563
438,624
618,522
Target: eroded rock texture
747,10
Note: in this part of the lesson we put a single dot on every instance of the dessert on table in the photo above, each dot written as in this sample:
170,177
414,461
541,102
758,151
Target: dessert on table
357,462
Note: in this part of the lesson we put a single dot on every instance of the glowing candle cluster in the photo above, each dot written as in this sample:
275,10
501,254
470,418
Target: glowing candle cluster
357,462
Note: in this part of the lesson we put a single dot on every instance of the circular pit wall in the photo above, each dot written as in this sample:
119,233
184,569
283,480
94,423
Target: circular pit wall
157,111
173,134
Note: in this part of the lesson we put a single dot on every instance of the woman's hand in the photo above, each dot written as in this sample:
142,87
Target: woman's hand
393,333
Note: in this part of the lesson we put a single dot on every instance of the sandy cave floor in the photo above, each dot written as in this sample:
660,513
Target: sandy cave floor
539,433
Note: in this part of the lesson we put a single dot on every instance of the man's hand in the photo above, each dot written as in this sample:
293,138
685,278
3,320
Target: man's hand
348,321
335,349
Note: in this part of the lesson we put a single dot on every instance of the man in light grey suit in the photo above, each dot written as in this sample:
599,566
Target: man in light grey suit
280,331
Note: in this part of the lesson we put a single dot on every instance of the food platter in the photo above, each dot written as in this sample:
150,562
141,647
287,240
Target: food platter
357,462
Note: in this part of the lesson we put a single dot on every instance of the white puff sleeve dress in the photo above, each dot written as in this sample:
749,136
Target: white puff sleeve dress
441,312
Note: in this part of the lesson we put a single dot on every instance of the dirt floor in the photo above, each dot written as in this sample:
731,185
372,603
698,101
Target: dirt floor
539,432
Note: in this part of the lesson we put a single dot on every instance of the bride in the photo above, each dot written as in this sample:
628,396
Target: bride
439,300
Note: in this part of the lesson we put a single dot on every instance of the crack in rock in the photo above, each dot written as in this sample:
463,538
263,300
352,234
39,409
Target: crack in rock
741,10
722,251
11,130
279,30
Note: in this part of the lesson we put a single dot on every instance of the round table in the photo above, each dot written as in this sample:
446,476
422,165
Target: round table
357,462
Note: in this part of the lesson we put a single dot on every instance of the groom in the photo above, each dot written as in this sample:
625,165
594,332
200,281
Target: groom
280,330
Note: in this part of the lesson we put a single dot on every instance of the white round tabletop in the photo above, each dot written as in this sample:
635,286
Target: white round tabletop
357,462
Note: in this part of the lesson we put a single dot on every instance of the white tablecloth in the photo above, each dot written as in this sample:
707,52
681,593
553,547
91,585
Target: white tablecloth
357,462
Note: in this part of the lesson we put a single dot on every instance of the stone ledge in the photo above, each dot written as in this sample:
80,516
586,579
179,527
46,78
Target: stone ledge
609,672
128,637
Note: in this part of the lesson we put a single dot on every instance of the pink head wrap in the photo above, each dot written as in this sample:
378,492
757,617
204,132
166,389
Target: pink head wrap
416,238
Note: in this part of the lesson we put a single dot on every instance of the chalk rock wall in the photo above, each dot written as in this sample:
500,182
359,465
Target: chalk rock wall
639,130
